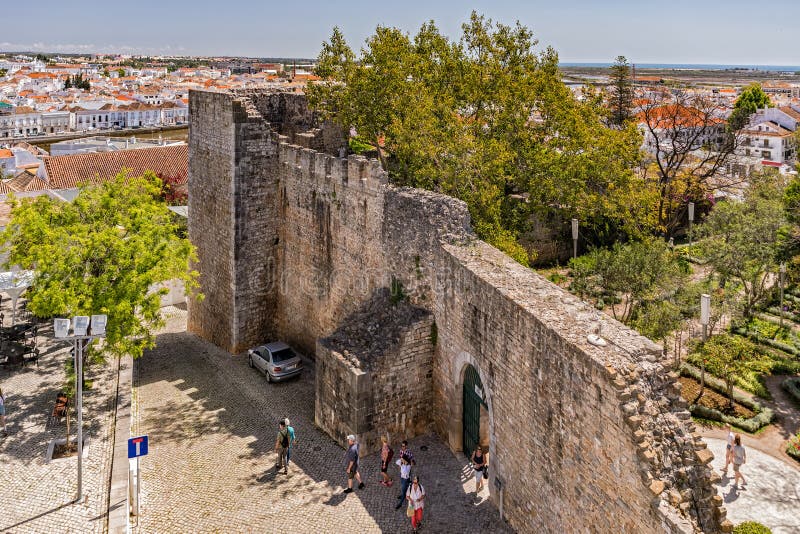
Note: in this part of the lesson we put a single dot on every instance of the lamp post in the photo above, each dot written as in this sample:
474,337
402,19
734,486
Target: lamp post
705,313
81,336
691,220
574,238
782,281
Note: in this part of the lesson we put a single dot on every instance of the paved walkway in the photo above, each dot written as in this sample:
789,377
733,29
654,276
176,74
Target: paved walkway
771,495
36,496
212,423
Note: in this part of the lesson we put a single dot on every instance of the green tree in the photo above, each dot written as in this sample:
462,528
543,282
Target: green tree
106,74
3,72
742,239
727,357
485,119
102,253
621,94
121,72
638,275
750,100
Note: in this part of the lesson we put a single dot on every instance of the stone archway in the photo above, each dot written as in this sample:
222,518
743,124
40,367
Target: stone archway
474,412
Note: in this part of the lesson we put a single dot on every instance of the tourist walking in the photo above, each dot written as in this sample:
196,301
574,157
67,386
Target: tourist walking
282,447
351,458
405,479
386,457
292,439
728,450
480,463
739,458
405,452
3,412
416,502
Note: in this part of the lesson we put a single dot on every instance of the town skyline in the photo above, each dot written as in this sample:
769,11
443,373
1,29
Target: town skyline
581,31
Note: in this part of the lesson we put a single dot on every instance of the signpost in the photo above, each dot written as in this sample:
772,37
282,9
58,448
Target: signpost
137,447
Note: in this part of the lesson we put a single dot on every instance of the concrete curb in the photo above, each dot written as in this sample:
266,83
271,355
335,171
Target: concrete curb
118,492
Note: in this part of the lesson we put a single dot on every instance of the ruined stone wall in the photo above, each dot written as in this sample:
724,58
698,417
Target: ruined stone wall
374,373
582,438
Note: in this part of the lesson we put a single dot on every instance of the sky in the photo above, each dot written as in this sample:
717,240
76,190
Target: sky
645,31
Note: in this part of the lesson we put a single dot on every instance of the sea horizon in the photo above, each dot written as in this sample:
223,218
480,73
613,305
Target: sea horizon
690,66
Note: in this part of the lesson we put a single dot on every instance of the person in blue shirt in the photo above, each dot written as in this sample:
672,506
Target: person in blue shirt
292,439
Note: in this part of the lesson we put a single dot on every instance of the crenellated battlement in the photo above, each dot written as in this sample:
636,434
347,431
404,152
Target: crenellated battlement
353,172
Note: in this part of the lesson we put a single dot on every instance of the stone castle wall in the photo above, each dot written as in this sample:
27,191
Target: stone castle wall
582,438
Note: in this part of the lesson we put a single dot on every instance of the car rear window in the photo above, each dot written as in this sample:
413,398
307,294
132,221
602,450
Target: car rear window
282,355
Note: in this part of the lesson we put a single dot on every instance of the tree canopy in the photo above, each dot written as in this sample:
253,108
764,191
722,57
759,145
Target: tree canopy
750,100
621,93
102,254
741,239
488,120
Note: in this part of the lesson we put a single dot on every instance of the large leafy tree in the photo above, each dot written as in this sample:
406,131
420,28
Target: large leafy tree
639,275
102,253
488,120
750,100
742,239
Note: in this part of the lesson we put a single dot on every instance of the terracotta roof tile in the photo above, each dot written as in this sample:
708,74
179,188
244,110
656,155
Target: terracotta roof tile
65,172
26,181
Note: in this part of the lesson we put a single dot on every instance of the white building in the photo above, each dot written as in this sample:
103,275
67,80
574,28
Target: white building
770,142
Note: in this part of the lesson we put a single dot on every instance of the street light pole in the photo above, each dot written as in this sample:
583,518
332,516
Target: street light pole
81,337
705,313
691,220
574,238
782,281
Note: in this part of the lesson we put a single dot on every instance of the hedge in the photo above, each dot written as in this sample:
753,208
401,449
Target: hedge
792,387
763,415
789,349
751,527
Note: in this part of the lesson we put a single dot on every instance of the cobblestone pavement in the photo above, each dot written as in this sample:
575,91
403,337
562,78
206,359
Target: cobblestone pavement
212,423
771,495
36,496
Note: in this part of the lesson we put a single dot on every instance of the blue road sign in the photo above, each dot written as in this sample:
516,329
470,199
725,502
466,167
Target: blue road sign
137,447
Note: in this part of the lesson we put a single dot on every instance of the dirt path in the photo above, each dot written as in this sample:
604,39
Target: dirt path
771,441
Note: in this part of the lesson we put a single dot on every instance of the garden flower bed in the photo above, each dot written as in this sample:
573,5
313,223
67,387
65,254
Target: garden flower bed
762,415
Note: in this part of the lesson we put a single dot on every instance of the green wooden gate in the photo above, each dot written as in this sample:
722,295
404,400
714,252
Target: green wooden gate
474,397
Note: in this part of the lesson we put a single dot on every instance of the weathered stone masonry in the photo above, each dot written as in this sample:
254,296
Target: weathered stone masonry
296,244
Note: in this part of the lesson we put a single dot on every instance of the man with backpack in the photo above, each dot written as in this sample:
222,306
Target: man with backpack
292,439
282,448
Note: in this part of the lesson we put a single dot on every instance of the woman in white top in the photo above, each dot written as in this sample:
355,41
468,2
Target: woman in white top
728,450
739,458
416,501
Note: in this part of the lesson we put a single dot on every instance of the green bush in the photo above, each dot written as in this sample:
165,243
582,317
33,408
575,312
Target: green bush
751,527
793,447
792,387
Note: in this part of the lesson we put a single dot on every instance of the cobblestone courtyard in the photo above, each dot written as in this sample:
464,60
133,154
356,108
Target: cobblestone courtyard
36,496
212,423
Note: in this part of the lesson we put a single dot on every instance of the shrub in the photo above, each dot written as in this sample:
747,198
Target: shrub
792,387
793,447
751,527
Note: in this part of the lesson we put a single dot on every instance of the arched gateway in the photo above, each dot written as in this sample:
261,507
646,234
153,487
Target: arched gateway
475,416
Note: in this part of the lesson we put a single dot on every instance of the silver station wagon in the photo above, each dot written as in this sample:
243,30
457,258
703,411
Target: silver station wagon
276,360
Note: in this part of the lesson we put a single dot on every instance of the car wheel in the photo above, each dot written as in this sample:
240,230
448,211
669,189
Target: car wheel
250,361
